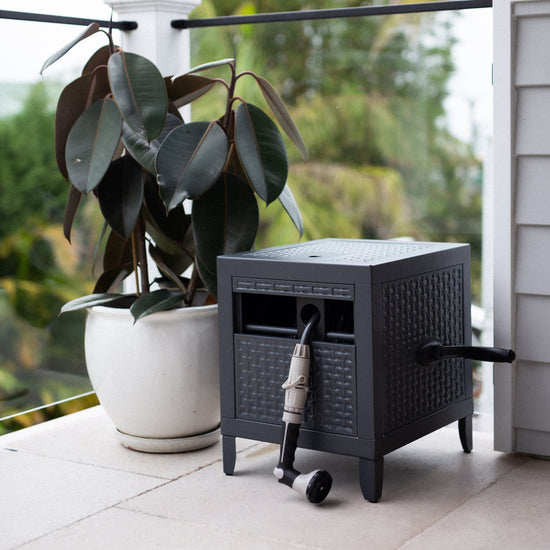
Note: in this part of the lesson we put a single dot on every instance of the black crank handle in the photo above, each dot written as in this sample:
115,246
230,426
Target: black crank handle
433,351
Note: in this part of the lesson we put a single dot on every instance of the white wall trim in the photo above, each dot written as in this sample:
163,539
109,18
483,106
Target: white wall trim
504,165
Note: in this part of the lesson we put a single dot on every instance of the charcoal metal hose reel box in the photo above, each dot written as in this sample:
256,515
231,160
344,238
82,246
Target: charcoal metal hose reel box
379,301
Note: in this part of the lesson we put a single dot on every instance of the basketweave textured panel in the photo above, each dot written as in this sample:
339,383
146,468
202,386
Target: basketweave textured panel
429,306
261,367
346,251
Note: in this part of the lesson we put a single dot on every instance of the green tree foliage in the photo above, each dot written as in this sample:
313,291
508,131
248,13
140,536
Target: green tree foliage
355,202
29,183
41,357
37,271
368,96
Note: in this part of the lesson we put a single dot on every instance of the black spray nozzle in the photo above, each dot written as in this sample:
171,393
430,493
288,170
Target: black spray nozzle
433,351
315,485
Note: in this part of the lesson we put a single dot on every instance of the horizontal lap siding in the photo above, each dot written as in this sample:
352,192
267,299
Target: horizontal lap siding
531,225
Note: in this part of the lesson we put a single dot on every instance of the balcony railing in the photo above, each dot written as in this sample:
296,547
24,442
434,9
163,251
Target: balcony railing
286,19
276,17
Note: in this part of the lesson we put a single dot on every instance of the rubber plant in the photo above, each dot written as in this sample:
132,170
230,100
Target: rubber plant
121,140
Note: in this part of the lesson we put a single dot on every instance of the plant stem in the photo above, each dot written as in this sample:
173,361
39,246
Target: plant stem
192,286
142,255
135,261
230,93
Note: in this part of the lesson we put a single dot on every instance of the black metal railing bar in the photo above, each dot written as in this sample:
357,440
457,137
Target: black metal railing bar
44,18
288,16
275,17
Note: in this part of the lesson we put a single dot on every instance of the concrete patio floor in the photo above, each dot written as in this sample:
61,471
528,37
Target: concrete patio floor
69,483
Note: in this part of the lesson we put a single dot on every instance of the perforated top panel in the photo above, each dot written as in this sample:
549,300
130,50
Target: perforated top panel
347,251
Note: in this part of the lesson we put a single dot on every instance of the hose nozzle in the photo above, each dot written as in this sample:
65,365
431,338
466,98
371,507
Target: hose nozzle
315,486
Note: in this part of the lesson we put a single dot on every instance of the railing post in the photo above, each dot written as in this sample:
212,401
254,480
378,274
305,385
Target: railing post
155,38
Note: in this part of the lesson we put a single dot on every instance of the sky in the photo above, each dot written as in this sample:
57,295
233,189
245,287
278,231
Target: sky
26,45
471,86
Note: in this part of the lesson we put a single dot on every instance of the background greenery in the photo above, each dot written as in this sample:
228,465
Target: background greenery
41,356
368,96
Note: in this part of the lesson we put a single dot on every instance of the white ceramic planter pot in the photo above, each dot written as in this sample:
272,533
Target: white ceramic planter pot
157,379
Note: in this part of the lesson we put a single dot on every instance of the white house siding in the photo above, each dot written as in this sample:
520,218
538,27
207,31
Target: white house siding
522,223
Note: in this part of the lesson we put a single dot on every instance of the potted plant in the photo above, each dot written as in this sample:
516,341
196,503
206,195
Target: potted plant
175,195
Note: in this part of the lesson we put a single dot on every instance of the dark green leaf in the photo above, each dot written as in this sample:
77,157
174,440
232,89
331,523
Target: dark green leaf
117,263
139,91
286,198
184,247
225,220
75,98
91,144
71,207
111,279
278,108
158,300
170,266
120,195
99,58
188,87
97,246
211,65
189,161
208,275
261,151
92,300
173,110
142,150
172,225
90,29
118,252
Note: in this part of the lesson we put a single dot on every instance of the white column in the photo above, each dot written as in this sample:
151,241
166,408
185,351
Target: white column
154,38
504,307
